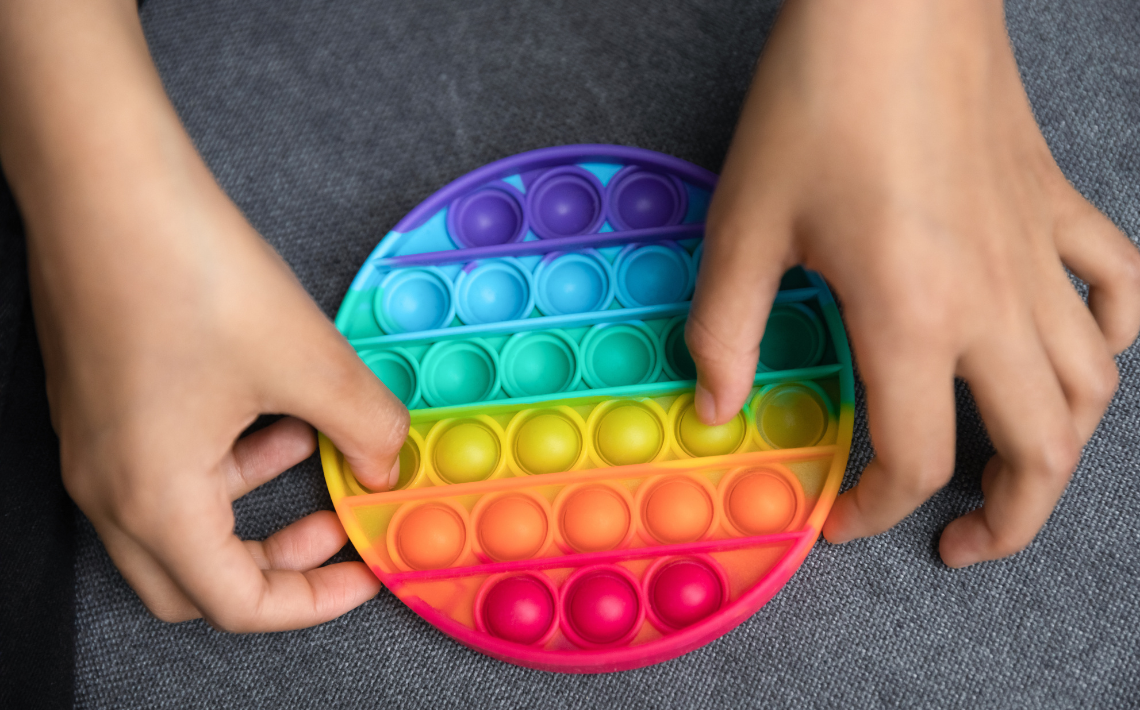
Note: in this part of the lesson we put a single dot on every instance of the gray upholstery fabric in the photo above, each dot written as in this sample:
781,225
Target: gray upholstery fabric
327,121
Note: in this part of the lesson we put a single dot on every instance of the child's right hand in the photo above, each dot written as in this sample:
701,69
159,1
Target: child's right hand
890,145
167,326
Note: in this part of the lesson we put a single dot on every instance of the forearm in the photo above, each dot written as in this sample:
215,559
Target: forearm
83,114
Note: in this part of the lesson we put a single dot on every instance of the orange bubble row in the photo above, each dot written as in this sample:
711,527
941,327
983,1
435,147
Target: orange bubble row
596,516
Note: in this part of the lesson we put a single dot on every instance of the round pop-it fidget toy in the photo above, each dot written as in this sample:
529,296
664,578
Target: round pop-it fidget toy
559,504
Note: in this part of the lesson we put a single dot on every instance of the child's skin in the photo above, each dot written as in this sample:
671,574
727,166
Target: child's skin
886,143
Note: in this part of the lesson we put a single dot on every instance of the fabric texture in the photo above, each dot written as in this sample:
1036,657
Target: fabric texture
327,121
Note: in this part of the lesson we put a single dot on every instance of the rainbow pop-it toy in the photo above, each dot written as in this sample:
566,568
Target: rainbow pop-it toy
559,504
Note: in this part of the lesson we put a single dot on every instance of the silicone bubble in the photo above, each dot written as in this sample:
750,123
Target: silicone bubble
487,217
762,502
410,300
465,451
576,282
397,370
493,291
538,363
617,355
430,537
679,363
698,439
547,441
594,518
683,592
677,510
459,372
793,338
601,606
641,199
565,202
626,432
653,275
512,527
519,609
790,416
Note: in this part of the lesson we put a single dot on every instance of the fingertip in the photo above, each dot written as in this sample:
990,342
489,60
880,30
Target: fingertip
963,541
705,405
394,474
837,529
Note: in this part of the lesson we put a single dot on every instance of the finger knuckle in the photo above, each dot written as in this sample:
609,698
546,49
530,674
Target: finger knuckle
1056,456
1006,542
1101,383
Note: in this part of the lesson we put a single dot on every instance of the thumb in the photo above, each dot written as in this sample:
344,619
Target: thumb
340,396
739,275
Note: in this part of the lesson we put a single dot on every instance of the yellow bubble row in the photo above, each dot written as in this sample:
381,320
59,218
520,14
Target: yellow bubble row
557,437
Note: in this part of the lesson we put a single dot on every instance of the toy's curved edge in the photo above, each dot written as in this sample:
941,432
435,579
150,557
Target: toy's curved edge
338,491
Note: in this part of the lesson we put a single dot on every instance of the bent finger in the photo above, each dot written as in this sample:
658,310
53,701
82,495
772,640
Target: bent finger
910,407
1029,421
266,453
330,387
1101,256
1078,352
303,545
745,255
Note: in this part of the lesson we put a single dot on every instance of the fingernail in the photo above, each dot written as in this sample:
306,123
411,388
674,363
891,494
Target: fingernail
394,475
705,405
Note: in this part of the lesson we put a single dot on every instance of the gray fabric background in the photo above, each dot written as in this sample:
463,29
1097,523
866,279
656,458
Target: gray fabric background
327,121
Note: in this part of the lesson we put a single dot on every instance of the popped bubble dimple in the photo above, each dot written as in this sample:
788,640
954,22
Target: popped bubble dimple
793,338
397,370
409,463
678,510
678,361
628,433
459,372
577,282
467,451
518,609
565,202
761,503
486,217
430,537
512,527
685,591
790,416
547,443
493,291
602,606
594,518
640,199
653,275
411,300
619,355
539,363
698,439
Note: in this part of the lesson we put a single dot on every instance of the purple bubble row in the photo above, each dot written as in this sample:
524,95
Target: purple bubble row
566,201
